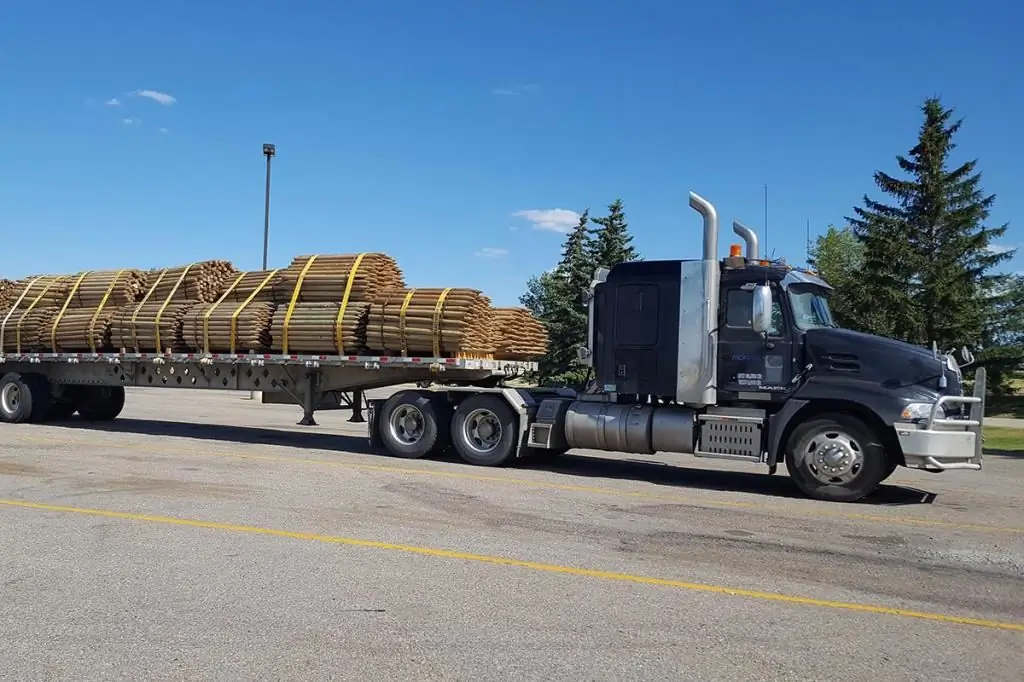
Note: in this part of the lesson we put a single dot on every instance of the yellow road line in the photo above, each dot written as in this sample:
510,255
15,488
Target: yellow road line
517,563
523,482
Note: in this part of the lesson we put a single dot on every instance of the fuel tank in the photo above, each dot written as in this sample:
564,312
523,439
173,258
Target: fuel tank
641,429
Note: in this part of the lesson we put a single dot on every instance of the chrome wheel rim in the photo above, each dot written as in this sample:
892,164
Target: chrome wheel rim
407,424
482,430
10,398
834,457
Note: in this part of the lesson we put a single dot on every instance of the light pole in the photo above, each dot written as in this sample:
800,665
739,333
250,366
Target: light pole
269,151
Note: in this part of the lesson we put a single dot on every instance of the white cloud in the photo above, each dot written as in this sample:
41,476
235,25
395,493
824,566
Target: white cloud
551,219
131,121
156,96
999,248
515,91
491,252
113,102
164,131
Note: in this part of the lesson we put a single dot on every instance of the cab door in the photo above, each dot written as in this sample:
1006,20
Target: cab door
752,366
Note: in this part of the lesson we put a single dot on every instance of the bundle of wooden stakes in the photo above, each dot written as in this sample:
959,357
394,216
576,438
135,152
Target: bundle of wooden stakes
520,336
150,327
75,329
432,322
6,288
21,329
203,282
228,327
39,291
315,328
105,288
325,278
264,286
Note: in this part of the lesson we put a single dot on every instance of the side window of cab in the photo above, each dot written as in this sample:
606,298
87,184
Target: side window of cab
738,306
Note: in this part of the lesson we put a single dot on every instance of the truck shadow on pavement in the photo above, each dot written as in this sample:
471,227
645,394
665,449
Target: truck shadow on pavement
658,473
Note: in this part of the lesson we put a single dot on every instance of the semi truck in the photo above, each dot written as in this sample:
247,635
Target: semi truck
734,358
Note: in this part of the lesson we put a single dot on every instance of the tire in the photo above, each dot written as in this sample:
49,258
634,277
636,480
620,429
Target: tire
101,403
413,425
15,399
484,430
854,477
42,397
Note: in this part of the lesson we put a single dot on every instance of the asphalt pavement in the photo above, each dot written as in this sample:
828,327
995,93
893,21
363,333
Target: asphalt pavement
205,536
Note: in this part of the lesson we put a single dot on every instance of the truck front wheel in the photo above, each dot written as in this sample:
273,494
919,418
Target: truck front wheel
836,457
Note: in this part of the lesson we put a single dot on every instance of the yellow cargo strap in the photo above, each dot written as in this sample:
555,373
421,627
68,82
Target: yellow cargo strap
436,331
401,322
135,314
3,326
238,311
103,304
64,309
291,305
209,311
160,312
338,331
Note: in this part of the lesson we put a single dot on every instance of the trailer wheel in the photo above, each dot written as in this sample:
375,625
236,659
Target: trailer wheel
484,430
101,403
15,399
836,457
413,425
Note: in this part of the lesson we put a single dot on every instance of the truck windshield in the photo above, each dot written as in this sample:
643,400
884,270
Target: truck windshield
810,307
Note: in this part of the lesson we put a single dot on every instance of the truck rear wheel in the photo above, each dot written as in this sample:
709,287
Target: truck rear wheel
413,425
836,457
484,430
24,398
101,403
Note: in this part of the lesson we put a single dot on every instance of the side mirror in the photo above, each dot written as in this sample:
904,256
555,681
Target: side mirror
967,356
761,315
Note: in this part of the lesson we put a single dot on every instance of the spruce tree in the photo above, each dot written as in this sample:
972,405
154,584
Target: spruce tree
927,273
837,256
555,298
611,242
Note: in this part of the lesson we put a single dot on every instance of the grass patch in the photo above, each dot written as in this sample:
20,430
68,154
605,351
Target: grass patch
1004,440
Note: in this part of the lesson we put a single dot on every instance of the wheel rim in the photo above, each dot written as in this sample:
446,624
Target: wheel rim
834,457
10,398
407,424
482,430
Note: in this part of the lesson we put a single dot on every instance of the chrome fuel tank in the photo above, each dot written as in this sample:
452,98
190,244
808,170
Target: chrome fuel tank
641,429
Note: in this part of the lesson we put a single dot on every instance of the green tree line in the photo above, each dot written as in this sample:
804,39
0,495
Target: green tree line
919,262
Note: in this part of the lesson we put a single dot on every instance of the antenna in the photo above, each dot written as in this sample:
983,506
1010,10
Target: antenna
766,217
808,243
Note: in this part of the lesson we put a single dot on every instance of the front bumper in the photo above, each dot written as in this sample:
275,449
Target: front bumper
941,444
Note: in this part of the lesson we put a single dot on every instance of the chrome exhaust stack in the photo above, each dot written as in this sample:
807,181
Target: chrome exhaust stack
710,215
749,238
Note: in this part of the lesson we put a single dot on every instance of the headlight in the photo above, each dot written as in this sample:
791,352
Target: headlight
915,411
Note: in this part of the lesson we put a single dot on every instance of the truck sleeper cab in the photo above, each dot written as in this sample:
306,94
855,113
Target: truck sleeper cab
734,358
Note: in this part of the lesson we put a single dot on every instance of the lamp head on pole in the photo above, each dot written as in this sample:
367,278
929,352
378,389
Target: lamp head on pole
269,150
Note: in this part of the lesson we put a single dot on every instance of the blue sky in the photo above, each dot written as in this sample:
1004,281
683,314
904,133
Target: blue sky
436,131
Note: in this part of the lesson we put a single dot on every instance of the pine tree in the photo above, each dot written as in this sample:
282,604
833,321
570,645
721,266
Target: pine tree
611,241
555,298
927,256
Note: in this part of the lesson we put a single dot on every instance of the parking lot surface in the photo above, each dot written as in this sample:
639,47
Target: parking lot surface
205,536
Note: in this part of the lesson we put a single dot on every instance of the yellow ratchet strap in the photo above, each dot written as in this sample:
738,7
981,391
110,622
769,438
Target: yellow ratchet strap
135,314
401,320
339,334
209,311
3,325
238,311
291,305
103,304
64,309
438,309
159,313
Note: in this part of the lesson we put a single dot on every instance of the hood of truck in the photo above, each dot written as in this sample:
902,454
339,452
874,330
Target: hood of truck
895,364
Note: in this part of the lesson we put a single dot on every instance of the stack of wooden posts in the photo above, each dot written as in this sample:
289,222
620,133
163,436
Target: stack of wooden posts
21,330
202,282
520,336
324,278
6,287
432,322
315,328
150,327
228,327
